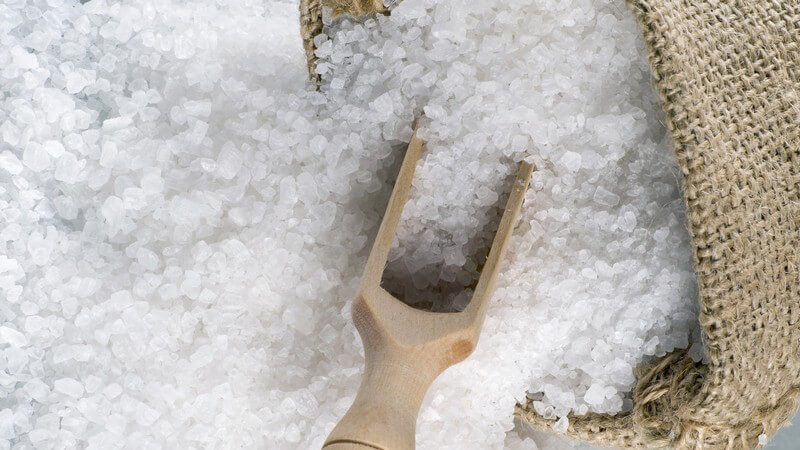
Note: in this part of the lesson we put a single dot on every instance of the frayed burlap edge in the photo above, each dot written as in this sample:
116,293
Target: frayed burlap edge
310,27
663,387
673,394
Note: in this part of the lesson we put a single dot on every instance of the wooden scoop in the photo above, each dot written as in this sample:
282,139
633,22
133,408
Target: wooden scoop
407,348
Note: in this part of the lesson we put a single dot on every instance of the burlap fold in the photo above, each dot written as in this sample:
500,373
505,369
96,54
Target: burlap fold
728,73
728,76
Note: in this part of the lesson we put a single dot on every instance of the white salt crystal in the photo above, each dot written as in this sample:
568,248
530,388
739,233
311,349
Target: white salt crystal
66,207
208,165
197,132
35,157
178,114
762,439
112,390
229,162
605,197
108,61
661,234
307,188
191,285
22,59
69,387
184,48
299,317
561,425
152,183
108,157
383,105
234,247
134,198
68,168
10,265
37,389
325,214
122,31
7,424
589,273
293,433
53,148
145,415
116,123
627,222
572,161
39,436
147,258
201,251
76,82
10,163
113,211
39,248
198,108
595,394
288,191
12,337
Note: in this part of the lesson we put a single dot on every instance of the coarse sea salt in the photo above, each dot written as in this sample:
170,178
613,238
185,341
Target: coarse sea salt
184,218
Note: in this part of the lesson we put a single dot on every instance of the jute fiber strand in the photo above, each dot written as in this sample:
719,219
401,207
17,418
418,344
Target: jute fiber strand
728,73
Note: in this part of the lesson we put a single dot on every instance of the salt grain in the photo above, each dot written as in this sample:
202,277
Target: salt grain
12,337
10,163
605,197
572,161
35,157
69,387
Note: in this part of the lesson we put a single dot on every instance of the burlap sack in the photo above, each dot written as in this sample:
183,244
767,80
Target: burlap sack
728,73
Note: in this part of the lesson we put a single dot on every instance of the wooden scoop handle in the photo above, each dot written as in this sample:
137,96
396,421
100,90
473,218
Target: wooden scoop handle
384,413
